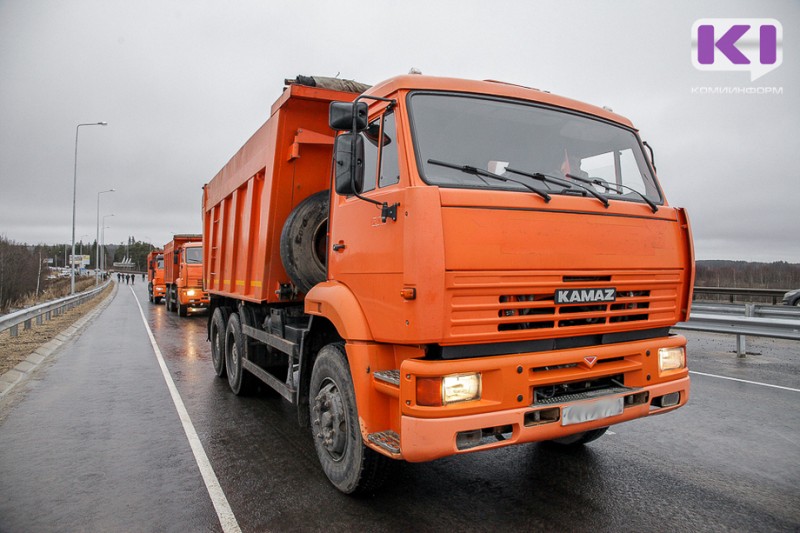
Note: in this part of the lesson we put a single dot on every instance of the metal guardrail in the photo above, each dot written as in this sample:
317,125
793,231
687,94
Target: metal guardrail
758,310
742,325
45,311
780,322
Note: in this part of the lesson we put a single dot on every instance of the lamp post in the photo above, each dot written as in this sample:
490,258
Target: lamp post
97,239
74,196
104,238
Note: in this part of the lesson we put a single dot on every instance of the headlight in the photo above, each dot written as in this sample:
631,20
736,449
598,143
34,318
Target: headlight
671,359
449,389
190,292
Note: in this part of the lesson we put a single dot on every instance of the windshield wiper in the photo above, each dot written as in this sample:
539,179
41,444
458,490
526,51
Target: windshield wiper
485,173
564,183
612,187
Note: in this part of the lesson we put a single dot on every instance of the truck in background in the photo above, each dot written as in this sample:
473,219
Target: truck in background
468,265
156,289
183,274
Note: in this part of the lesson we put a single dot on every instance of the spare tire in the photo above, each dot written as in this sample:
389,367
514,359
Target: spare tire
304,243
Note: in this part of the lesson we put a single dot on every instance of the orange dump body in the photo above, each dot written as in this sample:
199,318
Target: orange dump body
477,280
246,204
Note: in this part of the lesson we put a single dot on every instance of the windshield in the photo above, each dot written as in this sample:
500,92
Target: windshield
194,256
494,135
160,262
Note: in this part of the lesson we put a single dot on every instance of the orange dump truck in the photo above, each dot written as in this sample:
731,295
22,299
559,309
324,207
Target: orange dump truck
183,274
467,265
156,289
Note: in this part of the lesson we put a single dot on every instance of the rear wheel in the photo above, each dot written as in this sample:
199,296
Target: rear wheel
580,439
240,380
349,464
216,332
304,241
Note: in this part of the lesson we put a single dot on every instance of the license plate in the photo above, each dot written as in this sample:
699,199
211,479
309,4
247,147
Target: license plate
577,413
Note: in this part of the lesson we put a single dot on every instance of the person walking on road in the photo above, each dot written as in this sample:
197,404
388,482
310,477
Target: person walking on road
133,279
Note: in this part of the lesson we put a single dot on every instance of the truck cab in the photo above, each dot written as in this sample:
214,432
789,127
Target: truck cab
184,275
156,289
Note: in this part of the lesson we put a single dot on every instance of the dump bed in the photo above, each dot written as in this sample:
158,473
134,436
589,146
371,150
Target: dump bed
246,204
171,268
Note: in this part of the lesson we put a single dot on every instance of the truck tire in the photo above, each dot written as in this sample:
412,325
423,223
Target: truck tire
580,439
183,310
240,380
150,297
304,241
216,333
351,466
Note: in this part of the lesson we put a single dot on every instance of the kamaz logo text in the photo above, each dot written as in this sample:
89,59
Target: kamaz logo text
578,296
754,45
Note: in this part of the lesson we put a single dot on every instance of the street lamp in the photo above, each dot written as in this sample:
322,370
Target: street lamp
97,240
104,239
74,196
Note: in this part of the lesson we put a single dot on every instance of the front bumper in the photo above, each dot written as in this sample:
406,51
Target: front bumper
426,439
198,300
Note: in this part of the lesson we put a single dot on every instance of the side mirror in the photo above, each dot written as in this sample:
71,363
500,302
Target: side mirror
340,115
175,258
349,171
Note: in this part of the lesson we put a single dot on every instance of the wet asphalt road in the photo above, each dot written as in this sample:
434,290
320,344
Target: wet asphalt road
94,443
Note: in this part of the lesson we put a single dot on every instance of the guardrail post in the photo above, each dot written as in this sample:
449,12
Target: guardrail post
741,342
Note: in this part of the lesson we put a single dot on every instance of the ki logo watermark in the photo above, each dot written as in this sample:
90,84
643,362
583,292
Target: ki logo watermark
751,45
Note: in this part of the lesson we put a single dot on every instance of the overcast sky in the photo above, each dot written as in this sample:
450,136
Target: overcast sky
183,84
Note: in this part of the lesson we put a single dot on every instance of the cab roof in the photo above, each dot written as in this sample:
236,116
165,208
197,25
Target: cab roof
490,87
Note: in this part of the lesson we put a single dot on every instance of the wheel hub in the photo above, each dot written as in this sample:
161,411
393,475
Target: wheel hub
329,420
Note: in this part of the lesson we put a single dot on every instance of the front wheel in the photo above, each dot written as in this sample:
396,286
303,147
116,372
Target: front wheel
348,463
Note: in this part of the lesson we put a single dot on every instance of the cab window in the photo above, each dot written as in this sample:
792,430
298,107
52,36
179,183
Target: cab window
380,153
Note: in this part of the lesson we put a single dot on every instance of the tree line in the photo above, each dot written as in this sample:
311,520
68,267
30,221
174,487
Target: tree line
21,271
742,274
24,269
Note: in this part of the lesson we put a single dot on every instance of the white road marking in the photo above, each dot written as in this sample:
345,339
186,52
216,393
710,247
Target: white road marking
744,381
226,517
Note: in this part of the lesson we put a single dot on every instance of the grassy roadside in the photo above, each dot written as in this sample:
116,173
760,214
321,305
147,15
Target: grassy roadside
16,349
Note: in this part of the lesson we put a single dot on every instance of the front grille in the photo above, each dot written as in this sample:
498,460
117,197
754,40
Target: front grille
511,304
627,308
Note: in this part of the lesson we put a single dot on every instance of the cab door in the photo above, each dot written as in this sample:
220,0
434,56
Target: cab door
366,252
